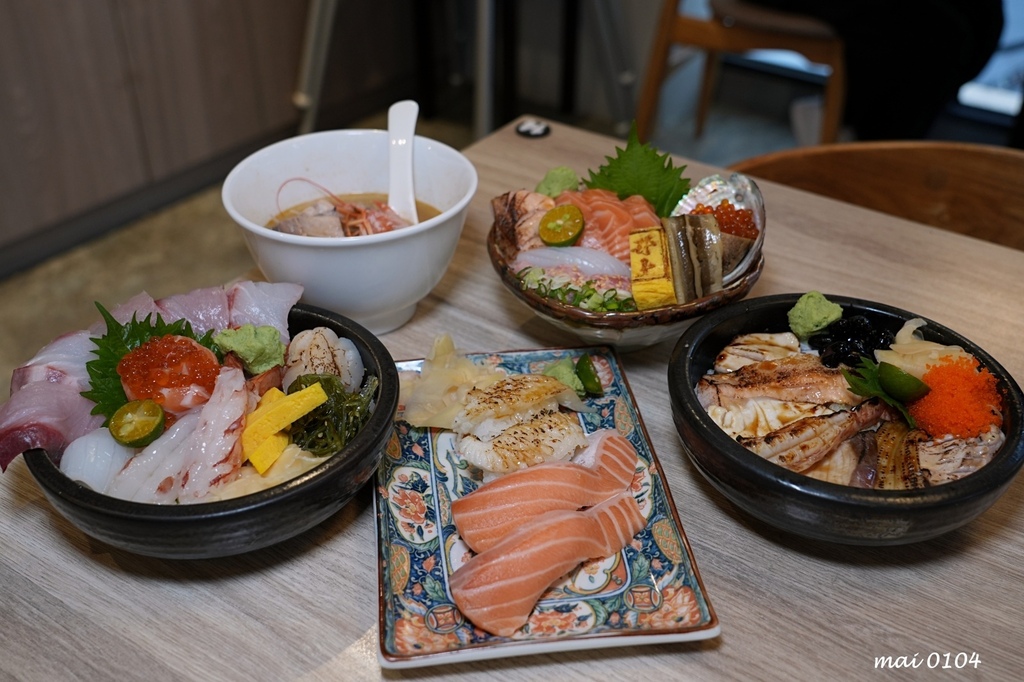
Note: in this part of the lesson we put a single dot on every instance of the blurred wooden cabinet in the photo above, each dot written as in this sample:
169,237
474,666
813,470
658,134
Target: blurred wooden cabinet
101,98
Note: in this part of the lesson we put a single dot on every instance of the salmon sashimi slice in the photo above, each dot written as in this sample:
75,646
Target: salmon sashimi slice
498,588
497,508
608,220
800,378
641,210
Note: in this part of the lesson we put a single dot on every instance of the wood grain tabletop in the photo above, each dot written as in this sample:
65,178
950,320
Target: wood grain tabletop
307,609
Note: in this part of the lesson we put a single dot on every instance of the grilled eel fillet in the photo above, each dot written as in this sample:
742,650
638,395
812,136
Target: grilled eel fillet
801,444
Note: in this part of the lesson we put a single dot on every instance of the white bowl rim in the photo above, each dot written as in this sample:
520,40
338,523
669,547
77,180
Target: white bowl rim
298,239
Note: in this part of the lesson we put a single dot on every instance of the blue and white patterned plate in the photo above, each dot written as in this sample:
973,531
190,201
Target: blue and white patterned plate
650,592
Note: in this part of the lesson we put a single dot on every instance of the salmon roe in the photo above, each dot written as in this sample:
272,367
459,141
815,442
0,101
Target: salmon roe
735,221
171,370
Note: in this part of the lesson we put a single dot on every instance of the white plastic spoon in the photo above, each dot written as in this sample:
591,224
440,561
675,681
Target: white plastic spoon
401,132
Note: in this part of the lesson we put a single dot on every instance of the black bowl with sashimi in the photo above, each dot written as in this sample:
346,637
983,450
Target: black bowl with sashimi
817,509
242,524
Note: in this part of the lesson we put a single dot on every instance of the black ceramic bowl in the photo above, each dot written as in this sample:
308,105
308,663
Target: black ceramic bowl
223,528
812,508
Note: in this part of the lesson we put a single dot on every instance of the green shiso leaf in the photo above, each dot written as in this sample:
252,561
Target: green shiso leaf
864,382
640,169
120,339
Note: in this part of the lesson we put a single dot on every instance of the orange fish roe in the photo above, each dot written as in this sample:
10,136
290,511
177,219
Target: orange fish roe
175,371
737,221
963,400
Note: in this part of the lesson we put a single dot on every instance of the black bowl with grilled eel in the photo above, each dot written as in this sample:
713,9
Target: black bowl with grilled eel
819,509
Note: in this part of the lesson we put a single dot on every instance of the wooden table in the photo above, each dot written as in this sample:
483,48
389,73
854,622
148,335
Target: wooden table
71,608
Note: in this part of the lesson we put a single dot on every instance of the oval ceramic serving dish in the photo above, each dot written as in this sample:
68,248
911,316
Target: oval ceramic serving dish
624,330
233,526
638,329
808,507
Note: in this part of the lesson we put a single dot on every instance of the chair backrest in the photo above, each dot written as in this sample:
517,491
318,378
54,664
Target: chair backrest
736,27
968,188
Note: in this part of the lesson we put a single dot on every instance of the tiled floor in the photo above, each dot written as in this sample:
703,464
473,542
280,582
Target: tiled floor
194,243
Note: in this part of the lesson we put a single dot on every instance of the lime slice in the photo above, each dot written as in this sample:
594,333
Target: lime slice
902,386
561,226
138,423
587,373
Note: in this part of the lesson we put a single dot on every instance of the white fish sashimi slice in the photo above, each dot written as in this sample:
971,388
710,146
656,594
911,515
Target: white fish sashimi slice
62,361
590,262
205,309
263,303
44,415
256,303
140,305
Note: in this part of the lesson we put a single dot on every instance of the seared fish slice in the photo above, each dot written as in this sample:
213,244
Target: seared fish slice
803,443
489,411
947,460
747,349
760,416
796,378
517,216
548,436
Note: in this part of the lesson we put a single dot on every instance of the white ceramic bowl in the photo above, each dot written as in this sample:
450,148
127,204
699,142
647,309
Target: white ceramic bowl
377,279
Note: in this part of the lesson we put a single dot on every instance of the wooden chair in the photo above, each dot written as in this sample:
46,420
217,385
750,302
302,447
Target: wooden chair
969,188
736,27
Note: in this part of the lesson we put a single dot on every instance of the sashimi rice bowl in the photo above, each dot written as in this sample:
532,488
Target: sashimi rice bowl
632,253
845,420
203,424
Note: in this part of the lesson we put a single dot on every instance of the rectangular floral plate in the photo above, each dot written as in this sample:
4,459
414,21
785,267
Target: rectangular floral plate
650,592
